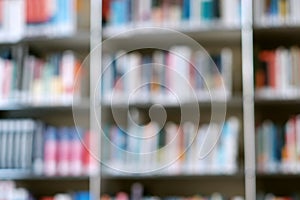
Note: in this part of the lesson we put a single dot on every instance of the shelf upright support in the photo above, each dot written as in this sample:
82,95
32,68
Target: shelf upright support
95,74
248,98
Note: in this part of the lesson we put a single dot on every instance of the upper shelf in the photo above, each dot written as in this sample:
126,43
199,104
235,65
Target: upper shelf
212,32
26,175
231,102
79,39
82,105
237,176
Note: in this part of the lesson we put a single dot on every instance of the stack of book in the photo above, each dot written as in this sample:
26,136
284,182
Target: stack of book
168,13
277,73
186,149
45,150
9,191
27,79
162,75
277,12
278,146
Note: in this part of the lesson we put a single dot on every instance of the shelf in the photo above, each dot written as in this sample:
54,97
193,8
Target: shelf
277,35
230,102
238,176
79,39
130,35
277,176
26,175
43,107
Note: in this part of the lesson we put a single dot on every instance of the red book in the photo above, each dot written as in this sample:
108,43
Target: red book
90,153
105,10
269,58
38,11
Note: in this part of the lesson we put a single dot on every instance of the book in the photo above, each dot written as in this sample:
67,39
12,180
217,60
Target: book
174,149
125,13
276,73
28,78
159,76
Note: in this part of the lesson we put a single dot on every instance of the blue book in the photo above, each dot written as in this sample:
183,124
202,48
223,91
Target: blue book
63,13
146,71
186,13
207,10
84,195
273,11
119,12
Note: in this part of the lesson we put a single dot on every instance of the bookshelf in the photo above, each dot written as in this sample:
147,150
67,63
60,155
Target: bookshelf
276,29
64,28
214,34
263,25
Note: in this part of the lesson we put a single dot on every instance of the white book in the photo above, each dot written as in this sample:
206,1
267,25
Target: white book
133,148
230,142
278,69
106,77
3,143
68,63
202,160
121,67
203,75
134,76
230,12
195,11
144,11
190,134
17,143
226,64
2,70
172,150
158,76
283,71
14,25
179,72
259,15
10,144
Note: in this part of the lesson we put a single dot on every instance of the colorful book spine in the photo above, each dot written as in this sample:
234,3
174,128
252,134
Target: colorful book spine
166,12
277,147
159,75
28,78
176,149
277,73
45,150
276,12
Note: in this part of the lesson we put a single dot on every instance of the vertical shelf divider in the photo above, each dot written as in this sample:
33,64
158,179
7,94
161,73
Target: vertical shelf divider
95,86
248,98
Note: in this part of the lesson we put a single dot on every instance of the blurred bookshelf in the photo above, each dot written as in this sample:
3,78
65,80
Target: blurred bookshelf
261,45
130,25
44,85
275,30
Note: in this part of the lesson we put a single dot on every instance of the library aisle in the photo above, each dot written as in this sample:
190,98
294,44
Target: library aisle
149,99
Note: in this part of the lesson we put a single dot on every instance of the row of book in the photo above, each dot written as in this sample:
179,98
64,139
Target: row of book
174,149
45,150
278,146
9,191
36,18
137,193
167,75
166,12
277,73
28,79
277,12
